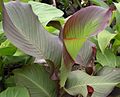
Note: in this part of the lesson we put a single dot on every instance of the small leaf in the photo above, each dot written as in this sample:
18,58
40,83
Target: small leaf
104,39
78,82
45,12
106,59
6,48
37,80
15,92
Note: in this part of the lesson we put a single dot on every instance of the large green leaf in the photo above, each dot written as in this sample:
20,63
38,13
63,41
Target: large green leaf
79,27
15,92
107,59
22,27
85,23
102,85
36,80
104,39
45,12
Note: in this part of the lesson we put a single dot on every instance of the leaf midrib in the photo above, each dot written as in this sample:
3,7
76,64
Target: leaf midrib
48,95
26,38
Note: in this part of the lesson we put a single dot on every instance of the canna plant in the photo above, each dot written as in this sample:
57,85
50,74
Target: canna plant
69,68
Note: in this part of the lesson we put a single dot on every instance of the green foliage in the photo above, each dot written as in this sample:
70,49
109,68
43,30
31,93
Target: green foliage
107,59
37,81
70,61
78,82
31,37
100,3
45,12
15,92
6,48
104,39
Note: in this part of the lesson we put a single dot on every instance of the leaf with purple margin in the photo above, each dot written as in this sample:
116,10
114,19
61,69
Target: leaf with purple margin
87,22
78,28
23,29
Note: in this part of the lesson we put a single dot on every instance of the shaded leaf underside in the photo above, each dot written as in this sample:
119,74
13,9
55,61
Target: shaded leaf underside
23,29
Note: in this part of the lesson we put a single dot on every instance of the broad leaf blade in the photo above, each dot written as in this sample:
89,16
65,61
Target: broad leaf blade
85,23
15,92
78,28
22,27
36,80
45,12
78,81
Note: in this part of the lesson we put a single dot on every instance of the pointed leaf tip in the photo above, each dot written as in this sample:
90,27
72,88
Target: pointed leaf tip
86,22
24,30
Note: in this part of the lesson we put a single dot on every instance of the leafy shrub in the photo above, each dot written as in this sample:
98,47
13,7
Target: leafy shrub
81,59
